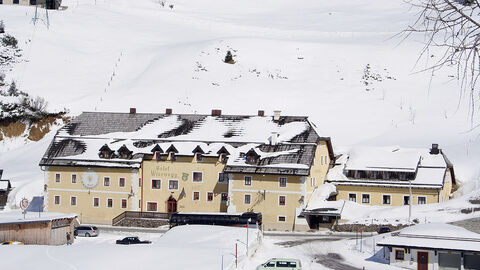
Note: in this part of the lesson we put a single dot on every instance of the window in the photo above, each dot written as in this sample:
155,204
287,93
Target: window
247,199
74,178
57,199
196,196
399,255
73,201
386,199
15,1
386,175
421,200
352,197
139,182
281,200
57,178
223,158
139,204
156,183
96,202
312,181
152,206
282,181
209,196
282,218
222,177
121,182
321,160
173,184
124,203
106,181
172,156
248,180
365,198
109,203
402,176
406,200
224,196
199,157
197,177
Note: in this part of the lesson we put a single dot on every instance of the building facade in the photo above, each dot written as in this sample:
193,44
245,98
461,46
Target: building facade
50,4
385,176
103,164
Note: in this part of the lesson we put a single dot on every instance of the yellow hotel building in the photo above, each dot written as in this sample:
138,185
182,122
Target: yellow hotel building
101,165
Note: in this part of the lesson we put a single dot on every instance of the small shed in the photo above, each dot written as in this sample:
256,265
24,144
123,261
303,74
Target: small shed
433,246
322,210
44,229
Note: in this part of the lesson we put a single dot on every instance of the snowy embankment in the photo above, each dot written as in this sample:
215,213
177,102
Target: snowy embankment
183,247
334,61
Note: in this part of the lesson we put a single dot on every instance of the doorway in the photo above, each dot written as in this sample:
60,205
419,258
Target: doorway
171,205
422,260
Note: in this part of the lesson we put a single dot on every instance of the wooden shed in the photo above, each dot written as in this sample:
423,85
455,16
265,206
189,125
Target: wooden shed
46,229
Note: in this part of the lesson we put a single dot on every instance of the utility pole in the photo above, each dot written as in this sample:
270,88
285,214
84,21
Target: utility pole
410,200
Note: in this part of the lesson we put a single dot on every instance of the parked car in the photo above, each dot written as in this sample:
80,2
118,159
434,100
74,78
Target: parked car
383,230
86,231
132,240
12,243
285,264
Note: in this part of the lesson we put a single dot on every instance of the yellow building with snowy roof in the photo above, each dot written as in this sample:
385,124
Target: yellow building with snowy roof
105,165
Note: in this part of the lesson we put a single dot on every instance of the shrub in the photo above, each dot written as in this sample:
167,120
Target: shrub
9,40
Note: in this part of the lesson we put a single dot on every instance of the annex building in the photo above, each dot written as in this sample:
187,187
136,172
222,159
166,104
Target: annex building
386,175
50,4
103,164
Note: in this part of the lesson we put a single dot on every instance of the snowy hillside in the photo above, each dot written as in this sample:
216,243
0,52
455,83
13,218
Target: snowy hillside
337,62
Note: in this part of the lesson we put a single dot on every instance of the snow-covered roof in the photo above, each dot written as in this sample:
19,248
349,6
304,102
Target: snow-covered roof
15,217
290,152
438,236
429,169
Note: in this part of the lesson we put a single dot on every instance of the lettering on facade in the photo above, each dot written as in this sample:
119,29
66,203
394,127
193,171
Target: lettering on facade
164,172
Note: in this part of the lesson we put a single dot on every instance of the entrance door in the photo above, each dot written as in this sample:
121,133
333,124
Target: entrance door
171,205
422,260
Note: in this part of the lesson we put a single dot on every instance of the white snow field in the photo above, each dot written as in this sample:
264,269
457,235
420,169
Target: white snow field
183,247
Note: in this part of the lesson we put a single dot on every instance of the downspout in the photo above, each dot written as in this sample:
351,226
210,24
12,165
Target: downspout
141,196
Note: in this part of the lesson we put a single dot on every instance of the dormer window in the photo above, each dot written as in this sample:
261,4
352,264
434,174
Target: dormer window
105,152
124,152
157,152
223,155
251,157
198,152
171,153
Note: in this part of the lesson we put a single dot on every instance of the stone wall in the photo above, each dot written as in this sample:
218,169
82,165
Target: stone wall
142,222
367,228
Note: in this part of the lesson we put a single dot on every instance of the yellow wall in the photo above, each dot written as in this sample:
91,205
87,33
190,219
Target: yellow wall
319,169
447,187
87,213
182,170
265,192
376,194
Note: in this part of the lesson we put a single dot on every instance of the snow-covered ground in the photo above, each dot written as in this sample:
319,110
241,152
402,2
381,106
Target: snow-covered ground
314,57
183,247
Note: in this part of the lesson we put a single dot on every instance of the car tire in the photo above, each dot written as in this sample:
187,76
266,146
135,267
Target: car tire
87,234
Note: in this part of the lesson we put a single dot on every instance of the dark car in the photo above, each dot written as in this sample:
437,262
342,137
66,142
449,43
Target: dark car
383,230
132,240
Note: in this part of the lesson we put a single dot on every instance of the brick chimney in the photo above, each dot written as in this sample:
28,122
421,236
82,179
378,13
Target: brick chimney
216,112
133,110
261,113
168,111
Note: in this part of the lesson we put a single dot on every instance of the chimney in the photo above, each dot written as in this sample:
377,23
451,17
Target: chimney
133,110
434,150
261,113
274,138
216,112
168,111
276,115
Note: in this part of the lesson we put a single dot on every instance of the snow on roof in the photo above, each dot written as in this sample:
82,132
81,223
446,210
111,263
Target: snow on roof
320,195
79,142
429,168
434,236
381,158
16,216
